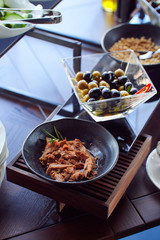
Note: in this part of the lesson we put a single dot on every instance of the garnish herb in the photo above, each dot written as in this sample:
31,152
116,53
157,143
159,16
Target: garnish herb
58,137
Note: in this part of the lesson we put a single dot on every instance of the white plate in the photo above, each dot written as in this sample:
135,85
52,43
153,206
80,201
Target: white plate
153,168
2,172
2,138
4,154
12,32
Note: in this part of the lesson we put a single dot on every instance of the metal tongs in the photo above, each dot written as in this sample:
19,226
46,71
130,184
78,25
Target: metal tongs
38,16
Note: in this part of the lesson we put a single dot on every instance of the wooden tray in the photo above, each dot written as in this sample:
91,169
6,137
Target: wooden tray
98,197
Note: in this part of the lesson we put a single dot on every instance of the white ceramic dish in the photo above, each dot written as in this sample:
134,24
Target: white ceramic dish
13,32
6,32
2,172
3,167
3,152
19,4
153,168
2,139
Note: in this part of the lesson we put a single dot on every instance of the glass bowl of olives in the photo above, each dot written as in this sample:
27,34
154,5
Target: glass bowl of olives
152,9
106,87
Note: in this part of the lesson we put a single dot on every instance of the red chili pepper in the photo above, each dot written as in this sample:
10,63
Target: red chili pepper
144,89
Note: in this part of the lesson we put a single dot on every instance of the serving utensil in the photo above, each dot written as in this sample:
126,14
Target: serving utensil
38,16
148,54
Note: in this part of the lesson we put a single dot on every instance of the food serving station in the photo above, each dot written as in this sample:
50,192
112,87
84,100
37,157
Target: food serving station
99,197
122,202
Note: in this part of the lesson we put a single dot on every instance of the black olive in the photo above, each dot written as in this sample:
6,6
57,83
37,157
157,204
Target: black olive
115,93
114,84
133,90
106,93
158,9
102,87
154,4
91,99
128,86
94,81
87,76
112,75
108,76
94,93
122,80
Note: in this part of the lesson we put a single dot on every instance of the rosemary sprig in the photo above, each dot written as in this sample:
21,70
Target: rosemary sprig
58,137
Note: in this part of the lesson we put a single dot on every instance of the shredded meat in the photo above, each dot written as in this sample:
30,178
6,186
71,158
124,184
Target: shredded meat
68,160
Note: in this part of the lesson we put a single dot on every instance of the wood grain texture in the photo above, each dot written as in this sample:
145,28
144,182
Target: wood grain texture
99,197
90,228
152,125
25,211
145,186
125,224
19,205
22,210
151,212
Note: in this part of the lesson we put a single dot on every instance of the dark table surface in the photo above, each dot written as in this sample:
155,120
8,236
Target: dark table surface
25,214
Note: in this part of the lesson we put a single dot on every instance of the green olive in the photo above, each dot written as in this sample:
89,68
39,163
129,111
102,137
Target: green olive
104,83
85,98
119,72
121,88
82,84
124,93
96,75
79,76
85,92
92,84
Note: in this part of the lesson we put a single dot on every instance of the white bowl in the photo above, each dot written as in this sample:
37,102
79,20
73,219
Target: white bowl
13,32
153,168
6,32
2,172
3,151
3,167
2,139
19,4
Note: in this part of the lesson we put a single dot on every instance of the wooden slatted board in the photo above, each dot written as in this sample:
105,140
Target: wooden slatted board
98,197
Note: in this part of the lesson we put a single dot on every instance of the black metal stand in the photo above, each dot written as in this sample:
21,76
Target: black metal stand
50,37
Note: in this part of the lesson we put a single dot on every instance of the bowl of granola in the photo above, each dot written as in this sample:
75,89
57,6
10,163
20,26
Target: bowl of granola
141,38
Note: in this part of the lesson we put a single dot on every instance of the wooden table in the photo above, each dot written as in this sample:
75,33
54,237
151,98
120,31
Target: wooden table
25,214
